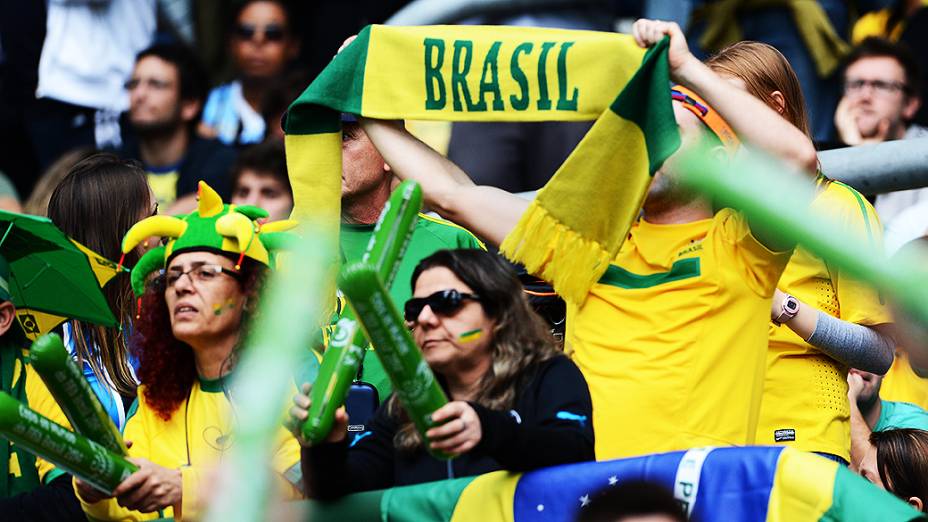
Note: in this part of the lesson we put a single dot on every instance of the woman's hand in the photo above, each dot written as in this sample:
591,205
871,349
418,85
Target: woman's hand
90,494
649,32
300,411
460,430
151,488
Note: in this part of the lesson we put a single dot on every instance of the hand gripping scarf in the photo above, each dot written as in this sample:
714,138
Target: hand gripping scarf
578,221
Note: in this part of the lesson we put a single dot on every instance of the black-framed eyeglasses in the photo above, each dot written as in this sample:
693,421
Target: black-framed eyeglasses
201,273
856,85
443,302
272,32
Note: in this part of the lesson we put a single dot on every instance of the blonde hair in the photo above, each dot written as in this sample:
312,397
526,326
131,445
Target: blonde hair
764,70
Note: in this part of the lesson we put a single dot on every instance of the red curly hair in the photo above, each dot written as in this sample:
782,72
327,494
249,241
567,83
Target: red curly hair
166,364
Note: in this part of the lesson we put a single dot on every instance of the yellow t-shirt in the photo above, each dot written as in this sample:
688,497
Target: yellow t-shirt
38,398
805,391
195,439
164,186
672,338
902,384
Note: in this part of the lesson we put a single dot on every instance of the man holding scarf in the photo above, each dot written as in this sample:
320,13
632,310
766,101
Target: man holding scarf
668,314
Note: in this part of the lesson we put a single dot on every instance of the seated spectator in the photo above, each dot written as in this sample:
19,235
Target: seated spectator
259,178
870,413
166,93
193,320
87,53
897,461
262,44
633,502
83,207
516,403
33,488
881,86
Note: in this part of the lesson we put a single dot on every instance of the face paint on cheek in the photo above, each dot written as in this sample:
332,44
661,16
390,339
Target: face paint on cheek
471,335
230,304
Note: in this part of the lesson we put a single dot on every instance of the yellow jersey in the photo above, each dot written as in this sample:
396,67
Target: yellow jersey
902,384
805,392
672,338
195,439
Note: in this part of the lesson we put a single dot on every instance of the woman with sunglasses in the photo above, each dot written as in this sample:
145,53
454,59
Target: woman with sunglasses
516,403
191,320
262,45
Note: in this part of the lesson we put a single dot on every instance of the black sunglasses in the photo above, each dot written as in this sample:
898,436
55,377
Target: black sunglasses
272,32
444,302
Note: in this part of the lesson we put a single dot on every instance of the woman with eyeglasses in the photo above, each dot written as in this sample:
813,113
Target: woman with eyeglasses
262,44
516,403
192,318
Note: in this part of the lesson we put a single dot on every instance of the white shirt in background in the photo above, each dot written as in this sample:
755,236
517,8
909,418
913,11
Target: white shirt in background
90,48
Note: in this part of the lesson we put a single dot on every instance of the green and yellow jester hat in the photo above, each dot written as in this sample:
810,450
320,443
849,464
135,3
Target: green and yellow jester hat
213,227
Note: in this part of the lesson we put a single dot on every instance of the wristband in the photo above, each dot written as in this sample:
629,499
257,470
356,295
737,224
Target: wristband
789,307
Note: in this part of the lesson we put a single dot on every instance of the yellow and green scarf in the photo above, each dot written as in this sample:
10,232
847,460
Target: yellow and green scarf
475,73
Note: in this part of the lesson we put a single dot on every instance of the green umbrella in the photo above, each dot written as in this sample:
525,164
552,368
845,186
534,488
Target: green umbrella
52,277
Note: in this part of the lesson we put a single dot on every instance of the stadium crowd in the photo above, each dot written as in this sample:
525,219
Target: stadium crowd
706,329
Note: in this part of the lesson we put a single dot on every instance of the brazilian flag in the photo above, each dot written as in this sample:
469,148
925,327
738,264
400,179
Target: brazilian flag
773,484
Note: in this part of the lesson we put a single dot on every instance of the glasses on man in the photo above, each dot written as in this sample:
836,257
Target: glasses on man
854,86
151,83
198,273
271,32
443,302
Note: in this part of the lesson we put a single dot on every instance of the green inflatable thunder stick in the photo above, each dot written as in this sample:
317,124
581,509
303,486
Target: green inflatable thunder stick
412,379
74,453
341,360
71,390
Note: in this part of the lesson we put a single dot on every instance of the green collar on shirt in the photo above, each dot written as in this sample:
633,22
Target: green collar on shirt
212,385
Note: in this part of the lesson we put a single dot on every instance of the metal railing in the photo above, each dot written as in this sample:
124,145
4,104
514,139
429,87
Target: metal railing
880,168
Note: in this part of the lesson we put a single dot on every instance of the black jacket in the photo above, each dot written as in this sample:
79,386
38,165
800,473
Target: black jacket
205,159
551,424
